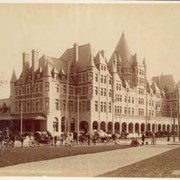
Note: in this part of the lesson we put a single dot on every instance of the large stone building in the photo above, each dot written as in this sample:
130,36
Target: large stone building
83,87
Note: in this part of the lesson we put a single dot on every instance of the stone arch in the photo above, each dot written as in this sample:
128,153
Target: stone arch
136,127
168,128
110,126
84,126
124,127
142,127
164,127
95,125
153,128
117,126
63,124
176,127
148,127
73,125
159,127
103,126
130,127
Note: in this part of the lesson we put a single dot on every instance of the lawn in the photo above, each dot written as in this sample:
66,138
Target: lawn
161,165
10,156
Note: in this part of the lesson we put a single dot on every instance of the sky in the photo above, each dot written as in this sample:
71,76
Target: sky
152,31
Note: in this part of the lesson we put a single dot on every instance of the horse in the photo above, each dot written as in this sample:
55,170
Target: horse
22,137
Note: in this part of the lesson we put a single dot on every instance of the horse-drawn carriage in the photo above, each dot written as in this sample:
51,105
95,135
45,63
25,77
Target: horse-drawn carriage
44,138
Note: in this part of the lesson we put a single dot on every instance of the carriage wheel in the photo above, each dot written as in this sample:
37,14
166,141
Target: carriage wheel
10,144
4,144
32,143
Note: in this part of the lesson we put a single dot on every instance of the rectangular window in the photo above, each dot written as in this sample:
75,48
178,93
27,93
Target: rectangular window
71,90
64,105
28,89
96,106
84,105
104,92
125,110
71,106
101,106
101,91
110,93
109,107
84,90
101,78
104,79
57,88
88,106
96,77
104,107
129,110
132,111
110,81
64,89
96,90
47,103
47,86
120,98
28,105
57,104
37,104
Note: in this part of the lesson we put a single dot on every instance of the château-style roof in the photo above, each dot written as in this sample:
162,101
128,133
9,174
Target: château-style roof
85,52
122,48
13,78
99,59
165,82
155,87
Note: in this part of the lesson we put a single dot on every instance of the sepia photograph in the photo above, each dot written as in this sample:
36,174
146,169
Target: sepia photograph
90,89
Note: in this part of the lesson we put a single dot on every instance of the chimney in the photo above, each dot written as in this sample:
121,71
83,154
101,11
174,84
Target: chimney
35,60
26,61
76,52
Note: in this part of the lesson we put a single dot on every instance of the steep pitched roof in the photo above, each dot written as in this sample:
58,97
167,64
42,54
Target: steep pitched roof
4,101
99,59
165,82
155,87
85,52
13,78
122,48
48,69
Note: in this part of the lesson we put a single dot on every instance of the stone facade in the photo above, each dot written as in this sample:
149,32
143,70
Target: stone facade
112,95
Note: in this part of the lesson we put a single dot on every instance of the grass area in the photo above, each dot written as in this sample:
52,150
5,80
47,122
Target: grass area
10,156
161,165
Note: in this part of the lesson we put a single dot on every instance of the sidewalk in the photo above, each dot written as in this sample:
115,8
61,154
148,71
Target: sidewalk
88,165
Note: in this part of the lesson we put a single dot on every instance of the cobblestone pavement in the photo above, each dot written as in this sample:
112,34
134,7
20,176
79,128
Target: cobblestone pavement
88,165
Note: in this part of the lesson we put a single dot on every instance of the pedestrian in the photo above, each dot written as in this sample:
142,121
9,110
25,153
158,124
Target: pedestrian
143,138
138,133
153,140
168,139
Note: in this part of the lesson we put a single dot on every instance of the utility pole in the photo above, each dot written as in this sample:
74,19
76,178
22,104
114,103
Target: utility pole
178,112
78,119
21,123
67,95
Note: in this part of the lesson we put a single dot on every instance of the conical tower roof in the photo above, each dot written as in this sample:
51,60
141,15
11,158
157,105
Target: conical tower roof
13,78
99,59
122,48
47,71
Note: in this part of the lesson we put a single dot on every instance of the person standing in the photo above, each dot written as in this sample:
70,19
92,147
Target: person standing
153,141
143,138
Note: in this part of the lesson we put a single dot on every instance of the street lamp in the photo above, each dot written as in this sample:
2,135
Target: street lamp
21,119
